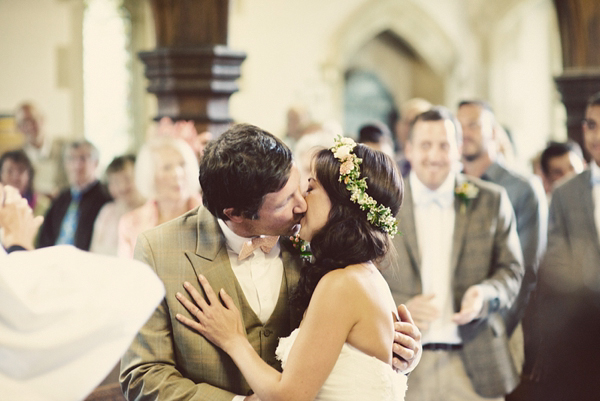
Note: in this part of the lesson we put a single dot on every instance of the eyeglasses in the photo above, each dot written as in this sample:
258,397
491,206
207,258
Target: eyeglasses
589,124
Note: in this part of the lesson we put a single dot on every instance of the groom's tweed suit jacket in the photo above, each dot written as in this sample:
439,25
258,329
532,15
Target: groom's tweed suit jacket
485,250
168,361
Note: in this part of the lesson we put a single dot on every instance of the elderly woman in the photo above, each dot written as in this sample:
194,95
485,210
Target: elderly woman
166,173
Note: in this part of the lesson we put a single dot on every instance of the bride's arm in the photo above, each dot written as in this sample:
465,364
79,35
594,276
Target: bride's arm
328,320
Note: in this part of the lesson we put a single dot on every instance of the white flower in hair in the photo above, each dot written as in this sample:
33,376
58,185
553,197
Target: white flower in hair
343,152
378,215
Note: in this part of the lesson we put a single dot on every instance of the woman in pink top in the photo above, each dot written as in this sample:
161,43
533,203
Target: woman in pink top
166,173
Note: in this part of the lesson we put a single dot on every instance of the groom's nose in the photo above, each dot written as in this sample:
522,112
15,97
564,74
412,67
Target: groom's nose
300,207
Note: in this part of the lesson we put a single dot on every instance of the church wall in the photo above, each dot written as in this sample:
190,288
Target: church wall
41,61
299,50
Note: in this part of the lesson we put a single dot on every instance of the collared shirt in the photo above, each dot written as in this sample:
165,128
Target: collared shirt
596,193
259,275
434,221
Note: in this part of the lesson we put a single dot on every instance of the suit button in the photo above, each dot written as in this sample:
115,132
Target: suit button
267,332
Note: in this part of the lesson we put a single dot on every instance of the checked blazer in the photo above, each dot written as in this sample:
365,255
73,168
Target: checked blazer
485,251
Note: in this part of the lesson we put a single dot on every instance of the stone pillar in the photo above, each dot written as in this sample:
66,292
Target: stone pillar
192,71
579,24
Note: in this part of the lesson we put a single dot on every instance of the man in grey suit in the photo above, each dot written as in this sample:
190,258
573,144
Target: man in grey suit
459,266
569,307
480,159
251,196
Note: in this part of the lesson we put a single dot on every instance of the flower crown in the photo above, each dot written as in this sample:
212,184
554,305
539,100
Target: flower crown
378,215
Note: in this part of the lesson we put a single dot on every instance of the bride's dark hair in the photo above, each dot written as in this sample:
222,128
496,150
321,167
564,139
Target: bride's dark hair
348,238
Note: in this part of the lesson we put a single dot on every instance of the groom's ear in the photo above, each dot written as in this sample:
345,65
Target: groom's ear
234,215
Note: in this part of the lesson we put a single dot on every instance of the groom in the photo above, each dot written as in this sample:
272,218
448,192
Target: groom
461,266
250,190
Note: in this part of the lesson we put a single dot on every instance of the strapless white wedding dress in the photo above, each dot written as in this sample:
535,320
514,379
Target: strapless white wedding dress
356,376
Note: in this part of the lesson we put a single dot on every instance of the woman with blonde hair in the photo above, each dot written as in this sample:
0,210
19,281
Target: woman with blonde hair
166,173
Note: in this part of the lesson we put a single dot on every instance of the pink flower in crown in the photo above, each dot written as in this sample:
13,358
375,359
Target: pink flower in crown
347,167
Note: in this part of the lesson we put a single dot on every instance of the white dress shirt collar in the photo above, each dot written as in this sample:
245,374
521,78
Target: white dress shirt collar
419,190
259,276
233,241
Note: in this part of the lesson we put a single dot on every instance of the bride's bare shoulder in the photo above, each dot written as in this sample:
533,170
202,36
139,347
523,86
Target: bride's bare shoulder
344,280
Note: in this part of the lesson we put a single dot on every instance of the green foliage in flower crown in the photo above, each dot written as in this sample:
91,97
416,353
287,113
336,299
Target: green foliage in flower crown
378,215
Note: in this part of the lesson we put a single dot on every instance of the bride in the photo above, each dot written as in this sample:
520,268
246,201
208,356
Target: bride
343,347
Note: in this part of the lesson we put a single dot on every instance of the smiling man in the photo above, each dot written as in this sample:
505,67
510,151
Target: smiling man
461,268
251,197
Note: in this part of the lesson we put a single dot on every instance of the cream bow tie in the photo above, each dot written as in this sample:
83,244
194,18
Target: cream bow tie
265,243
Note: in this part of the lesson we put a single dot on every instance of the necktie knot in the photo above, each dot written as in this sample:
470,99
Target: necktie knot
264,243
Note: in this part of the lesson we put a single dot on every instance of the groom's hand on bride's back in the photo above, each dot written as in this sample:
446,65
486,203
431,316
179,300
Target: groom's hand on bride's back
407,342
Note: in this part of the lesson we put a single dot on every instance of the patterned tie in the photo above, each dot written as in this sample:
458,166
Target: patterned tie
265,243
69,223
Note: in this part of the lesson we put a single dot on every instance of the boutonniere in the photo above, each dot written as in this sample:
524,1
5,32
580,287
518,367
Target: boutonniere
466,192
302,246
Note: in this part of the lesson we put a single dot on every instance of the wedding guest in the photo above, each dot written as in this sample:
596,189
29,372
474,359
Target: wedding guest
126,197
480,157
16,170
342,350
460,269
569,293
166,174
70,219
377,136
45,153
250,190
559,162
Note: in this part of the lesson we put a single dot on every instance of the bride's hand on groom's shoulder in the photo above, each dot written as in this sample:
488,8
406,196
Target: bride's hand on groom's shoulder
407,342
216,319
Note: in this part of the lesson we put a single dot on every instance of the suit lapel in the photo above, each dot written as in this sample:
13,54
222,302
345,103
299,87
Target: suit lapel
291,275
211,258
460,227
587,205
408,227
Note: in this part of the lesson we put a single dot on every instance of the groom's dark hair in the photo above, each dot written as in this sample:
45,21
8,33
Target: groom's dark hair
240,167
